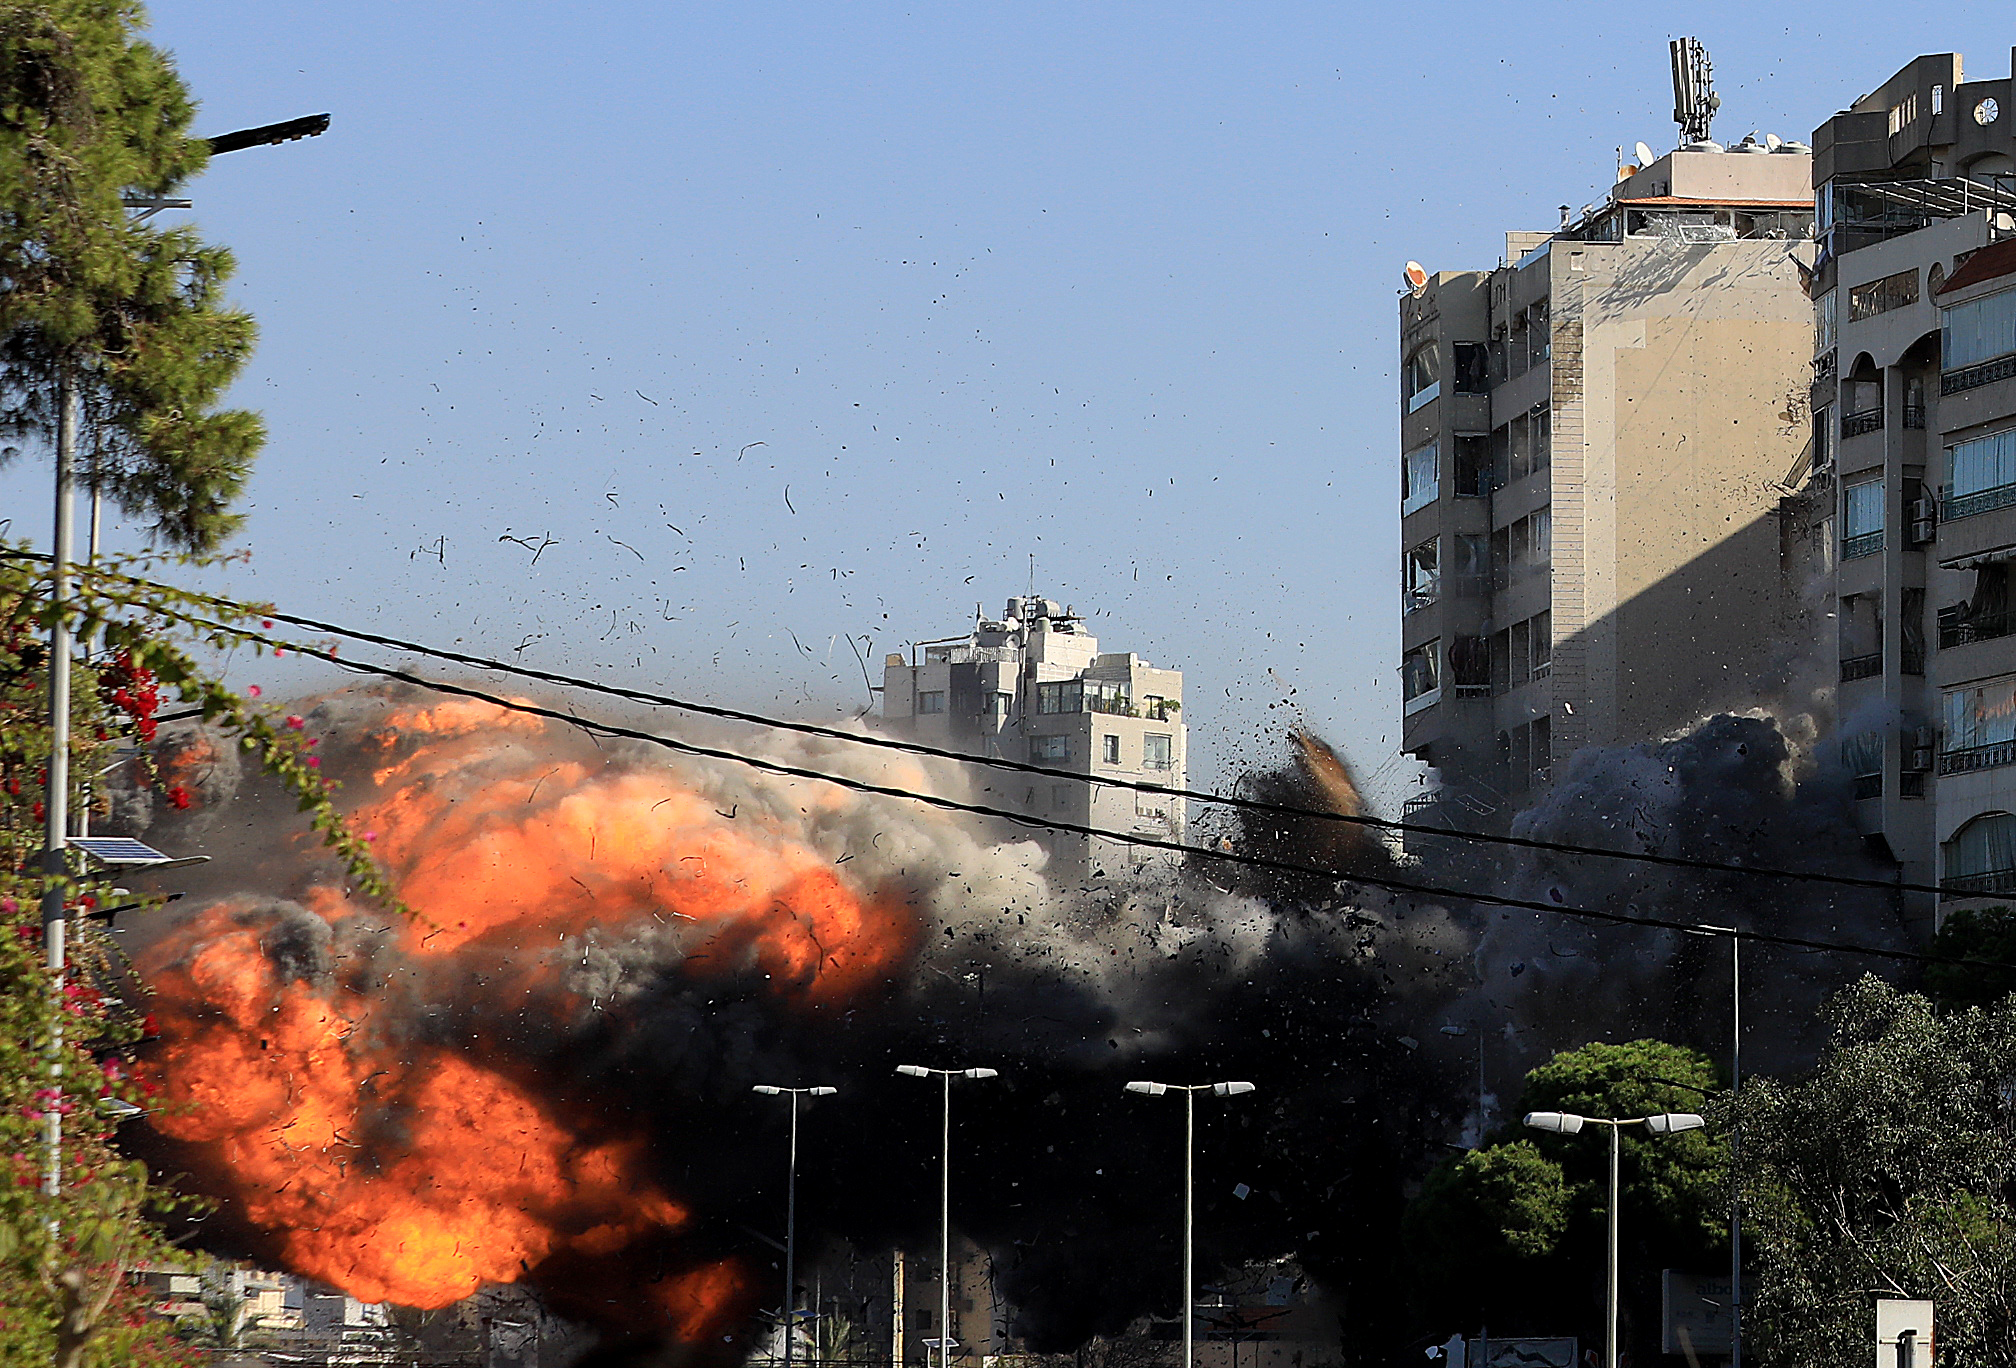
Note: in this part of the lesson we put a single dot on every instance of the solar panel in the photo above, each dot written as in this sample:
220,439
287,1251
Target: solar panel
117,850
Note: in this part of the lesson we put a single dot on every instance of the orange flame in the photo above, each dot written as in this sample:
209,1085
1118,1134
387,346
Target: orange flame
416,1173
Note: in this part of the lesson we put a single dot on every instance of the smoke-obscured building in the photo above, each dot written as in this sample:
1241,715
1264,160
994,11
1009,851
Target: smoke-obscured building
1596,438
1035,687
1914,403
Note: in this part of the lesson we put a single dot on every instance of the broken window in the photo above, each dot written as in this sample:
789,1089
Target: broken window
1470,666
1543,644
1421,672
1473,374
1981,715
1881,296
1473,465
1422,377
1422,575
1543,437
1420,478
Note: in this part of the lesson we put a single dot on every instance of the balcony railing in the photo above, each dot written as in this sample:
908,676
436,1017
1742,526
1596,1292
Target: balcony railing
1857,424
2001,368
1914,416
1867,544
1473,690
1967,631
1968,759
1862,666
1992,883
1953,505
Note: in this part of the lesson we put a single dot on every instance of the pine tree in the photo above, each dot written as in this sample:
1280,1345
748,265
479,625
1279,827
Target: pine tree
131,314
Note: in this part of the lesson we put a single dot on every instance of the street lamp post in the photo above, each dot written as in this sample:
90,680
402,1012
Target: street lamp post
944,1202
1189,1091
1568,1123
791,1207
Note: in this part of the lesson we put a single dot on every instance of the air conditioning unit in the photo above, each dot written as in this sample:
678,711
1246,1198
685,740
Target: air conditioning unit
1924,520
1918,758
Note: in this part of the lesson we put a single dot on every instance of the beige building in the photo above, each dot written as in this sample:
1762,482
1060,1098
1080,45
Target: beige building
1914,399
1035,687
1595,441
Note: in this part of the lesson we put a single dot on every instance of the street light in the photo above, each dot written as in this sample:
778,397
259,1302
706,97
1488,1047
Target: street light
1568,1123
1189,1091
791,1207
944,1204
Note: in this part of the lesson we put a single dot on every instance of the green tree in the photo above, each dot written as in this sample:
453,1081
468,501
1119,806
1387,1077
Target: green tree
128,314
1512,1236
64,1294
1887,1172
1976,933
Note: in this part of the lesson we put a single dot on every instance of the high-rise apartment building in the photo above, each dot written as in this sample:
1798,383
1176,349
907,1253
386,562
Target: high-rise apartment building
1035,687
1914,403
1595,441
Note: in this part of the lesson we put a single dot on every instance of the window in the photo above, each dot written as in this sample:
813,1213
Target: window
1980,475
1064,696
1881,296
1539,333
1981,857
997,704
1421,377
1473,465
1420,471
1543,645
1543,437
1109,749
1904,113
1471,563
1472,368
1421,576
1050,748
1978,331
1470,666
1157,751
1108,697
931,701
1823,323
1421,673
1861,519
1981,715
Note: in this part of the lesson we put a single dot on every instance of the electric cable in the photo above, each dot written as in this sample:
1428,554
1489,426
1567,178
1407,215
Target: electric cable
997,762
1561,909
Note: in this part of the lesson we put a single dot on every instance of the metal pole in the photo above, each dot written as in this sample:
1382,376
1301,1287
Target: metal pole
1610,1316
56,796
1735,1153
791,1237
945,1234
1189,1181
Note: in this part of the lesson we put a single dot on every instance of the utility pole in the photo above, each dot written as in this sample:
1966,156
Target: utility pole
56,794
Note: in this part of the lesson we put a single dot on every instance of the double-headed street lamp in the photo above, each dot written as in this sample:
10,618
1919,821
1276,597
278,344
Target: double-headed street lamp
944,1202
1568,1123
791,1208
1189,1091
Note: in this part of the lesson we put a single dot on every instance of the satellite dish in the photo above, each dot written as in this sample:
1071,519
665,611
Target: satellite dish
1773,141
1417,279
1645,157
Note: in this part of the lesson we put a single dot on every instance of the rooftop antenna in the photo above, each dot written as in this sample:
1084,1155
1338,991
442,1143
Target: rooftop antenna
1694,97
1032,574
1645,157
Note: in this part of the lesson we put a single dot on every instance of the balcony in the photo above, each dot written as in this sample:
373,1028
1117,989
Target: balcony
1867,544
1858,424
1972,377
1861,667
1967,631
1955,506
1995,883
1971,758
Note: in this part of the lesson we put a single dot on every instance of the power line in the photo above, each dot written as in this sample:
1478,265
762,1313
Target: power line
1123,838
997,762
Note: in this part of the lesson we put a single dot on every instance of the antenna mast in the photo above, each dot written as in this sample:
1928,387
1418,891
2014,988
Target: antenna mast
1694,97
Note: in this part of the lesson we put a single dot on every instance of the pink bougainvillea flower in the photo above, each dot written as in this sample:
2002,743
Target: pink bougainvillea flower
252,691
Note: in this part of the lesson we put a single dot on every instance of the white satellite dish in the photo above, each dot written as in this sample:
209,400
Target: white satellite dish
1645,157
1417,279
1773,141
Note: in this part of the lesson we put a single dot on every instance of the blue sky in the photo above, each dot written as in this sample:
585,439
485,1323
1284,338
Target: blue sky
1110,285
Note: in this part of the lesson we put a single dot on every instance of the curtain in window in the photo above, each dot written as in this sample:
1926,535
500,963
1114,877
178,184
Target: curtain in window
1982,464
1862,754
1986,845
1979,331
1862,508
1419,485
1982,715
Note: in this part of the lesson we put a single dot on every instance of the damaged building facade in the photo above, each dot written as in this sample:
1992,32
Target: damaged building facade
1035,687
1914,404
1596,440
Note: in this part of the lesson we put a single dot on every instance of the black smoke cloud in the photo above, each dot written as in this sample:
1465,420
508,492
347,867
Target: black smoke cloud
1329,1000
